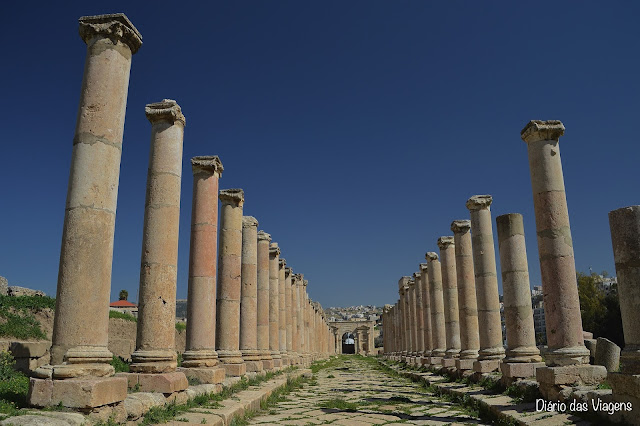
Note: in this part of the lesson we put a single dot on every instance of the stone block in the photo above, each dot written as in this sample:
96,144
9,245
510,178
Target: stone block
520,369
16,291
486,365
40,392
587,335
267,364
277,363
572,375
211,375
464,364
33,420
86,392
29,349
624,384
235,370
448,362
435,361
162,382
607,354
253,366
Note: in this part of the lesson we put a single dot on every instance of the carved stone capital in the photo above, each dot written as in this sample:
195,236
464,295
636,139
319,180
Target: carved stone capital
232,196
274,250
263,236
424,267
416,275
114,26
249,221
165,110
431,256
207,164
479,202
445,242
541,130
282,262
288,271
461,226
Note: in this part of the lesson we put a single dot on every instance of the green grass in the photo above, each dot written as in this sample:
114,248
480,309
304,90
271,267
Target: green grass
181,326
122,315
14,387
119,364
17,319
338,404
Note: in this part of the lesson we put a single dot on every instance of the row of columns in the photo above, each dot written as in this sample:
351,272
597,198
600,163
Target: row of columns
460,309
247,313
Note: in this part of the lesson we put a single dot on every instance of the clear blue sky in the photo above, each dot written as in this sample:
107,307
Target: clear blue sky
357,129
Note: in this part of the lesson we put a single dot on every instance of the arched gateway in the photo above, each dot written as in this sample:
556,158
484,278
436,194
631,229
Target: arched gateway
360,331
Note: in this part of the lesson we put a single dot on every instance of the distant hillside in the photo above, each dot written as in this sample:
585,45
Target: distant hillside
181,308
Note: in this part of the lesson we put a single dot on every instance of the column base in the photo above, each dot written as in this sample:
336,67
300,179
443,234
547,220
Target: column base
556,382
448,362
512,371
156,382
203,358
435,361
80,393
210,375
267,364
70,371
464,364
234,370
486,365
154,361
253,366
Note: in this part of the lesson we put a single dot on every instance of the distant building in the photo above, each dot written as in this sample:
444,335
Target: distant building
539,323
606,283
125,307
536,291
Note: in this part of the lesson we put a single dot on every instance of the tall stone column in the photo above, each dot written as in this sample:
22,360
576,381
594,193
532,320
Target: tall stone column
274,304
200,356
229,282
555,247
557,264
467,305
413,325
403,289
300,311
289,314
438,331
80,332
264,300
523,357
249,295
488,300
426,312
450,296
417,277
282,317
295,337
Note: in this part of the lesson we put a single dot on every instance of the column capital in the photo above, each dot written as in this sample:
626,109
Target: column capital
424,267
416,275
282,262
263,236
297,277
479,202
305,283
430,255
206,164
541,130
274,250
165,110
461,226
403,281
288,272
114,26
411,283
249,221
445,242
232,196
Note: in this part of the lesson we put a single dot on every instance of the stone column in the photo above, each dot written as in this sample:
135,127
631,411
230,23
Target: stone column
200,357
438,331
80,332
229,282
295,337
289,314
417,277
264,300
484,260
523,357
274,305
282,317
450,296
426,312
403,289
300,311
413,325
155,343
467,305
249,295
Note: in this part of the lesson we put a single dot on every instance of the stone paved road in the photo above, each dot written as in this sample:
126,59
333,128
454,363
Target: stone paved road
350,391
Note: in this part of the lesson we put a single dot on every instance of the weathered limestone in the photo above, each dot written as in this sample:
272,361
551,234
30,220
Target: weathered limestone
282,316
450,297
84,280
288,313
484,260
249,295
263,304
229,282
295,336
155,342
426,312
300,311
557,265
523,357
438,331
274,305
467,305
417,277
607,355
413,325
403,288
200,357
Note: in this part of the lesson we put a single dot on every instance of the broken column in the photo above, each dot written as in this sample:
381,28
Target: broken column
264,240
155,352
557,264
200,360
229,282
467,306
438,331
523,357
625,237
450,297
484,261
274,305
249,295
282,317
80,334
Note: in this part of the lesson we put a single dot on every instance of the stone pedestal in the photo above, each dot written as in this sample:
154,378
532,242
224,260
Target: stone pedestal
229,282
555,246
512,371
438,331
464,364
80,330
486,365
263,300
249,296
556,383
200,358
156,382
274,305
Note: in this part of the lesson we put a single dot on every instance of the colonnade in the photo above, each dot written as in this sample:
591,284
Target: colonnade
248,313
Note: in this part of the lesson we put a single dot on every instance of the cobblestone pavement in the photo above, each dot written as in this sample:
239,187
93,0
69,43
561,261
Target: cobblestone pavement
351,390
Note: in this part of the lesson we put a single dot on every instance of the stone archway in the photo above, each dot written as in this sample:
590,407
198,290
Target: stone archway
348,343
362,332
